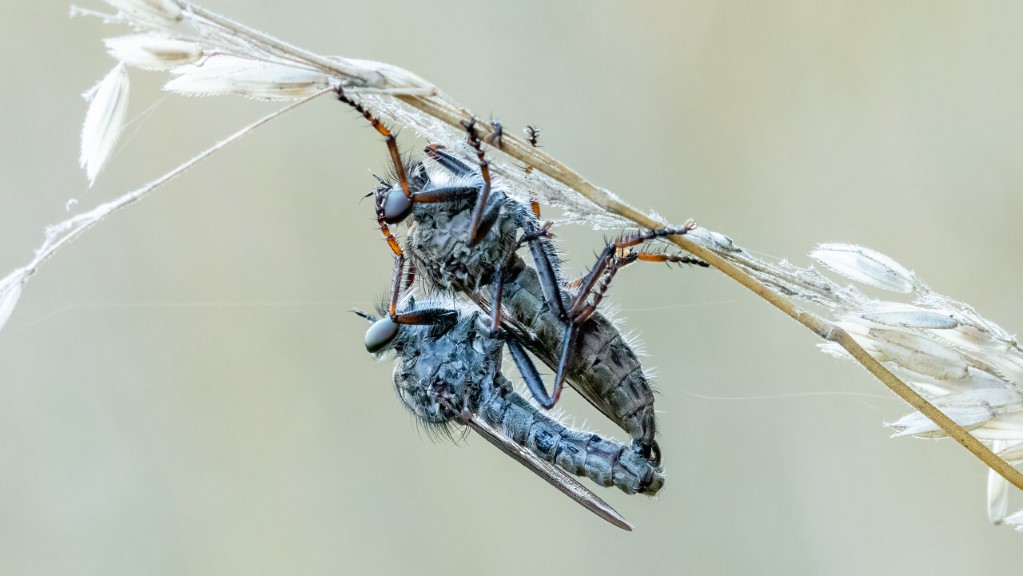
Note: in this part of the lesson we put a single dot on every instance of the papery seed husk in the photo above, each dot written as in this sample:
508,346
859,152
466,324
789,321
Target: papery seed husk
856,329
919,354
964,313
834,350
9,294
193,86
990,414
997,492
292,85
866,266
935,389
222,74
104,120
1012,452
1016,521
1002,355
153,52
976,379
918,318
1007,425
916,424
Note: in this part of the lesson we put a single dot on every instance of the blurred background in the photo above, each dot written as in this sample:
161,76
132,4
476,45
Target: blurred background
184,390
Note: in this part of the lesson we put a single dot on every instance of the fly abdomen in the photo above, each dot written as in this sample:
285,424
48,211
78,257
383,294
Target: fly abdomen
602,367
603,460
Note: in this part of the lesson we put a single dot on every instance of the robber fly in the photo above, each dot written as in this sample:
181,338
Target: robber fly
464,237
448,374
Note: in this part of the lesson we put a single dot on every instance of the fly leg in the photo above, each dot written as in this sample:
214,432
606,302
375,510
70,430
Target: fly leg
543,258
580,309
616,255
389,139
393,206
631,256
530,375
612,259
450,163
476,233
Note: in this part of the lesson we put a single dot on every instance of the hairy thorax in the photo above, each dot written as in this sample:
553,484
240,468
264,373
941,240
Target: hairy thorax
445,370
439,248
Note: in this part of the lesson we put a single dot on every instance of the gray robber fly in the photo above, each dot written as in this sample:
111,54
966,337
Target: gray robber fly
464,237
448,373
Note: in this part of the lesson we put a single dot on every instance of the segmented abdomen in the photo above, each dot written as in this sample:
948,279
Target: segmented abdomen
605,461
602,366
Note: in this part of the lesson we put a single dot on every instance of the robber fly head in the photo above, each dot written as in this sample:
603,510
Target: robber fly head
396,196
388,330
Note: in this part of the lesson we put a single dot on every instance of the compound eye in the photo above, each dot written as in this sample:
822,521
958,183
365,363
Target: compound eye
397,206
380,334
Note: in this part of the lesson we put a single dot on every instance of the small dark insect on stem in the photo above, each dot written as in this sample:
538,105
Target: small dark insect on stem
532,136
495,138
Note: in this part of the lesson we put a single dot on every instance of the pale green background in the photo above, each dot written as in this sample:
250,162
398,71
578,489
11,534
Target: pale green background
184,391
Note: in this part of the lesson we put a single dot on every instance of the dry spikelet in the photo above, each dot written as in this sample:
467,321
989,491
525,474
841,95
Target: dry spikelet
153,51
966,365
222,74
108,108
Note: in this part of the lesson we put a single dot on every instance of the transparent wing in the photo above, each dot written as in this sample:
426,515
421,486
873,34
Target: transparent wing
552,474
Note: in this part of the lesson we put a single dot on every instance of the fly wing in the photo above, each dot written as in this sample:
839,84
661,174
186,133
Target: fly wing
555,476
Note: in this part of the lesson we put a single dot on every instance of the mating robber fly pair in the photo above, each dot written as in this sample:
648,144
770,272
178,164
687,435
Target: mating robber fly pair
464,238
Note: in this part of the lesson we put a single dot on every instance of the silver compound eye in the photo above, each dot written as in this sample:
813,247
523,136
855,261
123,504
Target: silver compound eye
397,206
380,334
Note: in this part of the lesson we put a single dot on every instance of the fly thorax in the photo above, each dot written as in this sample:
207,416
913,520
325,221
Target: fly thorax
418,376
439,375
439,247
434,392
